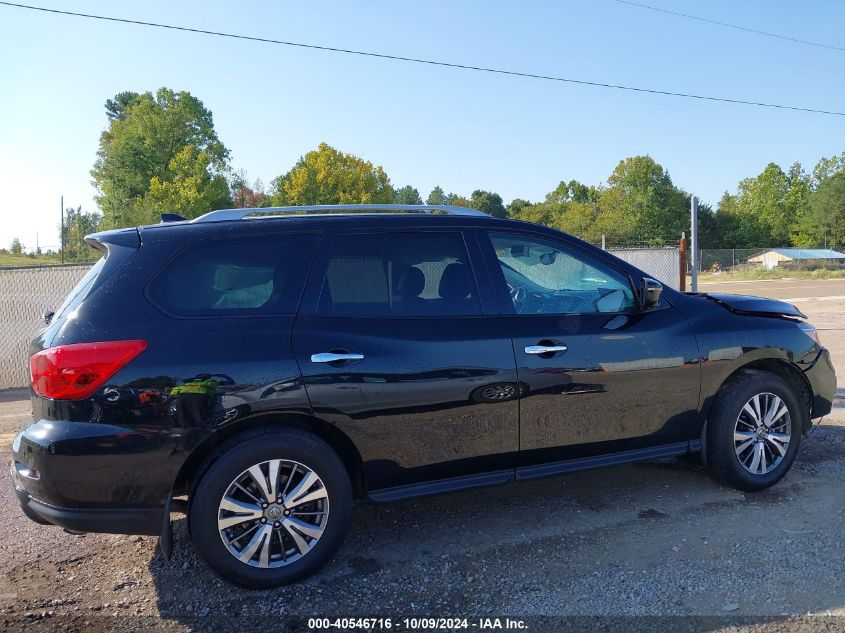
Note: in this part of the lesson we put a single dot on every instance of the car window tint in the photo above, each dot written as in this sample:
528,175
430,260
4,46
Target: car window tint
399,274
245,276
545,278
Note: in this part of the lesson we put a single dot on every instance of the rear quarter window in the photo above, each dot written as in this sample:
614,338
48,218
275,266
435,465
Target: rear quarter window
80,291
252,276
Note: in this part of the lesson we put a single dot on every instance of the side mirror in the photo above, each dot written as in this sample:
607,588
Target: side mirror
47,316
650,292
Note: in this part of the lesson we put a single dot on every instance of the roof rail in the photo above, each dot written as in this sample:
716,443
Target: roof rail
336,209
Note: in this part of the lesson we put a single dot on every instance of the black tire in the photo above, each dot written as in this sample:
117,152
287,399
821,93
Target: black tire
721,448
233,459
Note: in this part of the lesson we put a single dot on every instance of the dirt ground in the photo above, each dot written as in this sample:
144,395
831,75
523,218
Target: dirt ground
648,546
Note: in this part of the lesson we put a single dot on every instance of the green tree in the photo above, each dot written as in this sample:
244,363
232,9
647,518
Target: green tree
78,224
436,196
766,209
516,206
825,168
824,223
407,195
116,108
489,202
16,248
456,200
714,226
570,207
146,139
190,189
642,204
328,176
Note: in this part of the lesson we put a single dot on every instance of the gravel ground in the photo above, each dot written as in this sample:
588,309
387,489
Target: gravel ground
648,546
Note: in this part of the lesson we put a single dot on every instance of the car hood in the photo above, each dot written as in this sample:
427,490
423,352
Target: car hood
746,304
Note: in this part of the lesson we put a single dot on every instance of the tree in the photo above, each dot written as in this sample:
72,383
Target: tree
765,209
456,200
190,190
146,138
516,206
328,176
244,195
824,223
642,204
488,202
78,224
436,196
16,248
714,226
826,168
407,195
116,108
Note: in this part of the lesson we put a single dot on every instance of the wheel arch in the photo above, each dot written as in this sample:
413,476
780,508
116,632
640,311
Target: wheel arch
198,460
793,376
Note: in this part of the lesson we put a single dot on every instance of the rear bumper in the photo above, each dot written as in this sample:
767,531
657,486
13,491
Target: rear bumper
113,521
95,477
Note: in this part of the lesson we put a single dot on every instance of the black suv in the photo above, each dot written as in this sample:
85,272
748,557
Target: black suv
259,370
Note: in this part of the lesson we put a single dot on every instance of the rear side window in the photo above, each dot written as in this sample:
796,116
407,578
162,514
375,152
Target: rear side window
399,274
80,291
239,277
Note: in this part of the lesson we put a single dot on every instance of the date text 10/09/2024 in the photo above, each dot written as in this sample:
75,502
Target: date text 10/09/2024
417,624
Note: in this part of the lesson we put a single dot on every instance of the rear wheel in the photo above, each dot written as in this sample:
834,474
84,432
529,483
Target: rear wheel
271,508
753,431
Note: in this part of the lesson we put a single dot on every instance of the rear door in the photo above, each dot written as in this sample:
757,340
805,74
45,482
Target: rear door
399,351
598,374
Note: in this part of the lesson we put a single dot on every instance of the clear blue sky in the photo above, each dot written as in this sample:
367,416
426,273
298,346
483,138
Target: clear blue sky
425,125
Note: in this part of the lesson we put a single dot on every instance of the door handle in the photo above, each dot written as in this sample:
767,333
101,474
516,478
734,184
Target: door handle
332,357
544,349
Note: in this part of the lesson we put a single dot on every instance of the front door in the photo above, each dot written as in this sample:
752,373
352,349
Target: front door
398,353
598,375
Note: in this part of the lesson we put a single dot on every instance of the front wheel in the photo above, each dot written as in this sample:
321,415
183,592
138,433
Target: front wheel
271,509
753,431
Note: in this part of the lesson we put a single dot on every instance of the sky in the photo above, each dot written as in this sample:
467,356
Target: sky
425,125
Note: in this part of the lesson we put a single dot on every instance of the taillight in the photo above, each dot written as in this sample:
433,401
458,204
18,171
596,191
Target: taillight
72,372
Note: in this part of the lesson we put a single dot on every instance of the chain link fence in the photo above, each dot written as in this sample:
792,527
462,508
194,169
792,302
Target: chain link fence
25,293
715,259
663,263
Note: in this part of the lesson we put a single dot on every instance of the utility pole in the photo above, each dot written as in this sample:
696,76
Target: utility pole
62,230
694,243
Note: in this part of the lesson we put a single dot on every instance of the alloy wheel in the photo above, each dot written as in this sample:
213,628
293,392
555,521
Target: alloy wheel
762,432
273,513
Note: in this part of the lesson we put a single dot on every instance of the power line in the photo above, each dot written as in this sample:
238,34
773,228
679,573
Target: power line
415,60
732,26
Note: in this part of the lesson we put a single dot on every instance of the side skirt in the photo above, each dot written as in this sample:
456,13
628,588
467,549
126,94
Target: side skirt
441,486
599,461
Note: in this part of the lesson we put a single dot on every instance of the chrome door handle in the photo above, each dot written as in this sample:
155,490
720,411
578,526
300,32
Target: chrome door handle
330,357
544,349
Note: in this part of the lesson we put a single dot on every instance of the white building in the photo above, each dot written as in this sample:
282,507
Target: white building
797,257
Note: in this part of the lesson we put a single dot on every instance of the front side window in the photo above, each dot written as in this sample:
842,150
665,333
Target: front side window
240,277
544,278
399,274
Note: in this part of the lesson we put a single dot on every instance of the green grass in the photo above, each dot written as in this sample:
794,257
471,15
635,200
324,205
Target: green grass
751,274
25,260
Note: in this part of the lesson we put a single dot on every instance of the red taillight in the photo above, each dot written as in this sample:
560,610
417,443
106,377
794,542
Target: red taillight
71,372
